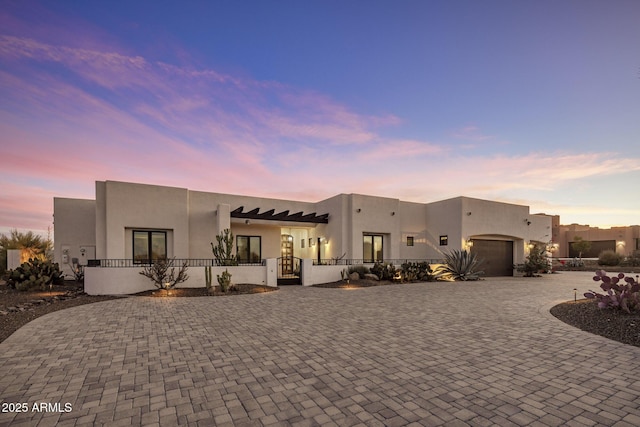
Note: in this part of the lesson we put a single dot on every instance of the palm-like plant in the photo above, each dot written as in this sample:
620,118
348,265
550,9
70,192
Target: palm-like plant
461,265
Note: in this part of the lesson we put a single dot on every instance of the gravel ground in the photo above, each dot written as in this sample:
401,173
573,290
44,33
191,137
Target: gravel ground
613,324
19,308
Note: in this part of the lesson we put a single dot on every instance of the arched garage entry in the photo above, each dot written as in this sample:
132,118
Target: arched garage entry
497,256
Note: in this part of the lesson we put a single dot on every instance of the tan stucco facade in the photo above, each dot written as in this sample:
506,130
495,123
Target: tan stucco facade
623,240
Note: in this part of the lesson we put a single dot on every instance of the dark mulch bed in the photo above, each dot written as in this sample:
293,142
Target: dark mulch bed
241,289
19,308
613,324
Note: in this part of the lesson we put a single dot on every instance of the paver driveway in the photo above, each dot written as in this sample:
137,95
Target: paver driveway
477,353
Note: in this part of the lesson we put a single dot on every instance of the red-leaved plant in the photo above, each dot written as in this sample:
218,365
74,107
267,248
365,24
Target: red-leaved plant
621,292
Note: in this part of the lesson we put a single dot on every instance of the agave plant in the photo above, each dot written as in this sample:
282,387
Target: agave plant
461,265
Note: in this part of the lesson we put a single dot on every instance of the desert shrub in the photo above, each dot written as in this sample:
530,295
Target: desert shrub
460,265
418,271
535,262
384,271
360,269
163,274
35,273
632,260
618,295
609,258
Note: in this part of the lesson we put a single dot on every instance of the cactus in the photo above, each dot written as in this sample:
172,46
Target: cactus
622,293
34,273
223,250
224,280
207,277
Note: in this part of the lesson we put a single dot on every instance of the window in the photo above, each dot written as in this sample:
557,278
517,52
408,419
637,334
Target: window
444,240
409,240
149,246
249,248
372,248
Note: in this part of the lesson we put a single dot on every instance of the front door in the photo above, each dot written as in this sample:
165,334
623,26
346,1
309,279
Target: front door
286,252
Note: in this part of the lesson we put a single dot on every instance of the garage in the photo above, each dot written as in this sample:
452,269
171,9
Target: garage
496,256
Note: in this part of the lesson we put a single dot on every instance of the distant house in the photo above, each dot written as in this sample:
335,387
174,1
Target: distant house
622,240
137,222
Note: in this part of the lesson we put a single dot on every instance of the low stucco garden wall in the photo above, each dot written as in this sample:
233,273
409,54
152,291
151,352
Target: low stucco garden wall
128,280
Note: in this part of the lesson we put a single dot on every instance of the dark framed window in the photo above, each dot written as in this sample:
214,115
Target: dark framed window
149,245
444,240
372,248
409,240
249,248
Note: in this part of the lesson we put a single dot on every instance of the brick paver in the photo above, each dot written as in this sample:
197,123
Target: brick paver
456,354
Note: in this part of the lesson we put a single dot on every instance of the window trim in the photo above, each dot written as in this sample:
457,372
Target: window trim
149,234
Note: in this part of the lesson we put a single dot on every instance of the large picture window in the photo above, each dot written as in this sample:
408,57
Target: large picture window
149,245
372,248
249,248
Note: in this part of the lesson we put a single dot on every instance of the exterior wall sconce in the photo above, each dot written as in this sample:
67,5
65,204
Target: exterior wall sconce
358,210
526,220
312,241
393,213
469,213
470,243
246,221
620,243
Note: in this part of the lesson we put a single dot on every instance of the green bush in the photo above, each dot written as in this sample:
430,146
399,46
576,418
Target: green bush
609,258
35,273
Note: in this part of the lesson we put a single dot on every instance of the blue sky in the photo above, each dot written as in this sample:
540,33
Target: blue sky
530,102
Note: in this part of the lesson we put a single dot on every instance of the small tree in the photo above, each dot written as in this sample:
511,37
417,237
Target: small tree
580,245
162,273
36,246
535,262
223,250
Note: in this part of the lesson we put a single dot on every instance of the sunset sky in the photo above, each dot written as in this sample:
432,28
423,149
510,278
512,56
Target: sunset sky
527,102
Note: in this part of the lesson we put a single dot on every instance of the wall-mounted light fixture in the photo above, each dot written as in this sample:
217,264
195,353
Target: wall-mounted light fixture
393,213
526,220
358,210
246,221
469,213
620,243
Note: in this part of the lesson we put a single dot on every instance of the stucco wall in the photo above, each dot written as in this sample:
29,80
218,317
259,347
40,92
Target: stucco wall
413,223
444,218
147,207
74,227
120,281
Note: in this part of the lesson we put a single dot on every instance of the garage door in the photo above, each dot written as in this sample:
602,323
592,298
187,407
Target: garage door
497,256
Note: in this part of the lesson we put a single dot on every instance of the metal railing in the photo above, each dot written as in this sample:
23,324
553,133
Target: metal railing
395,262
191,262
